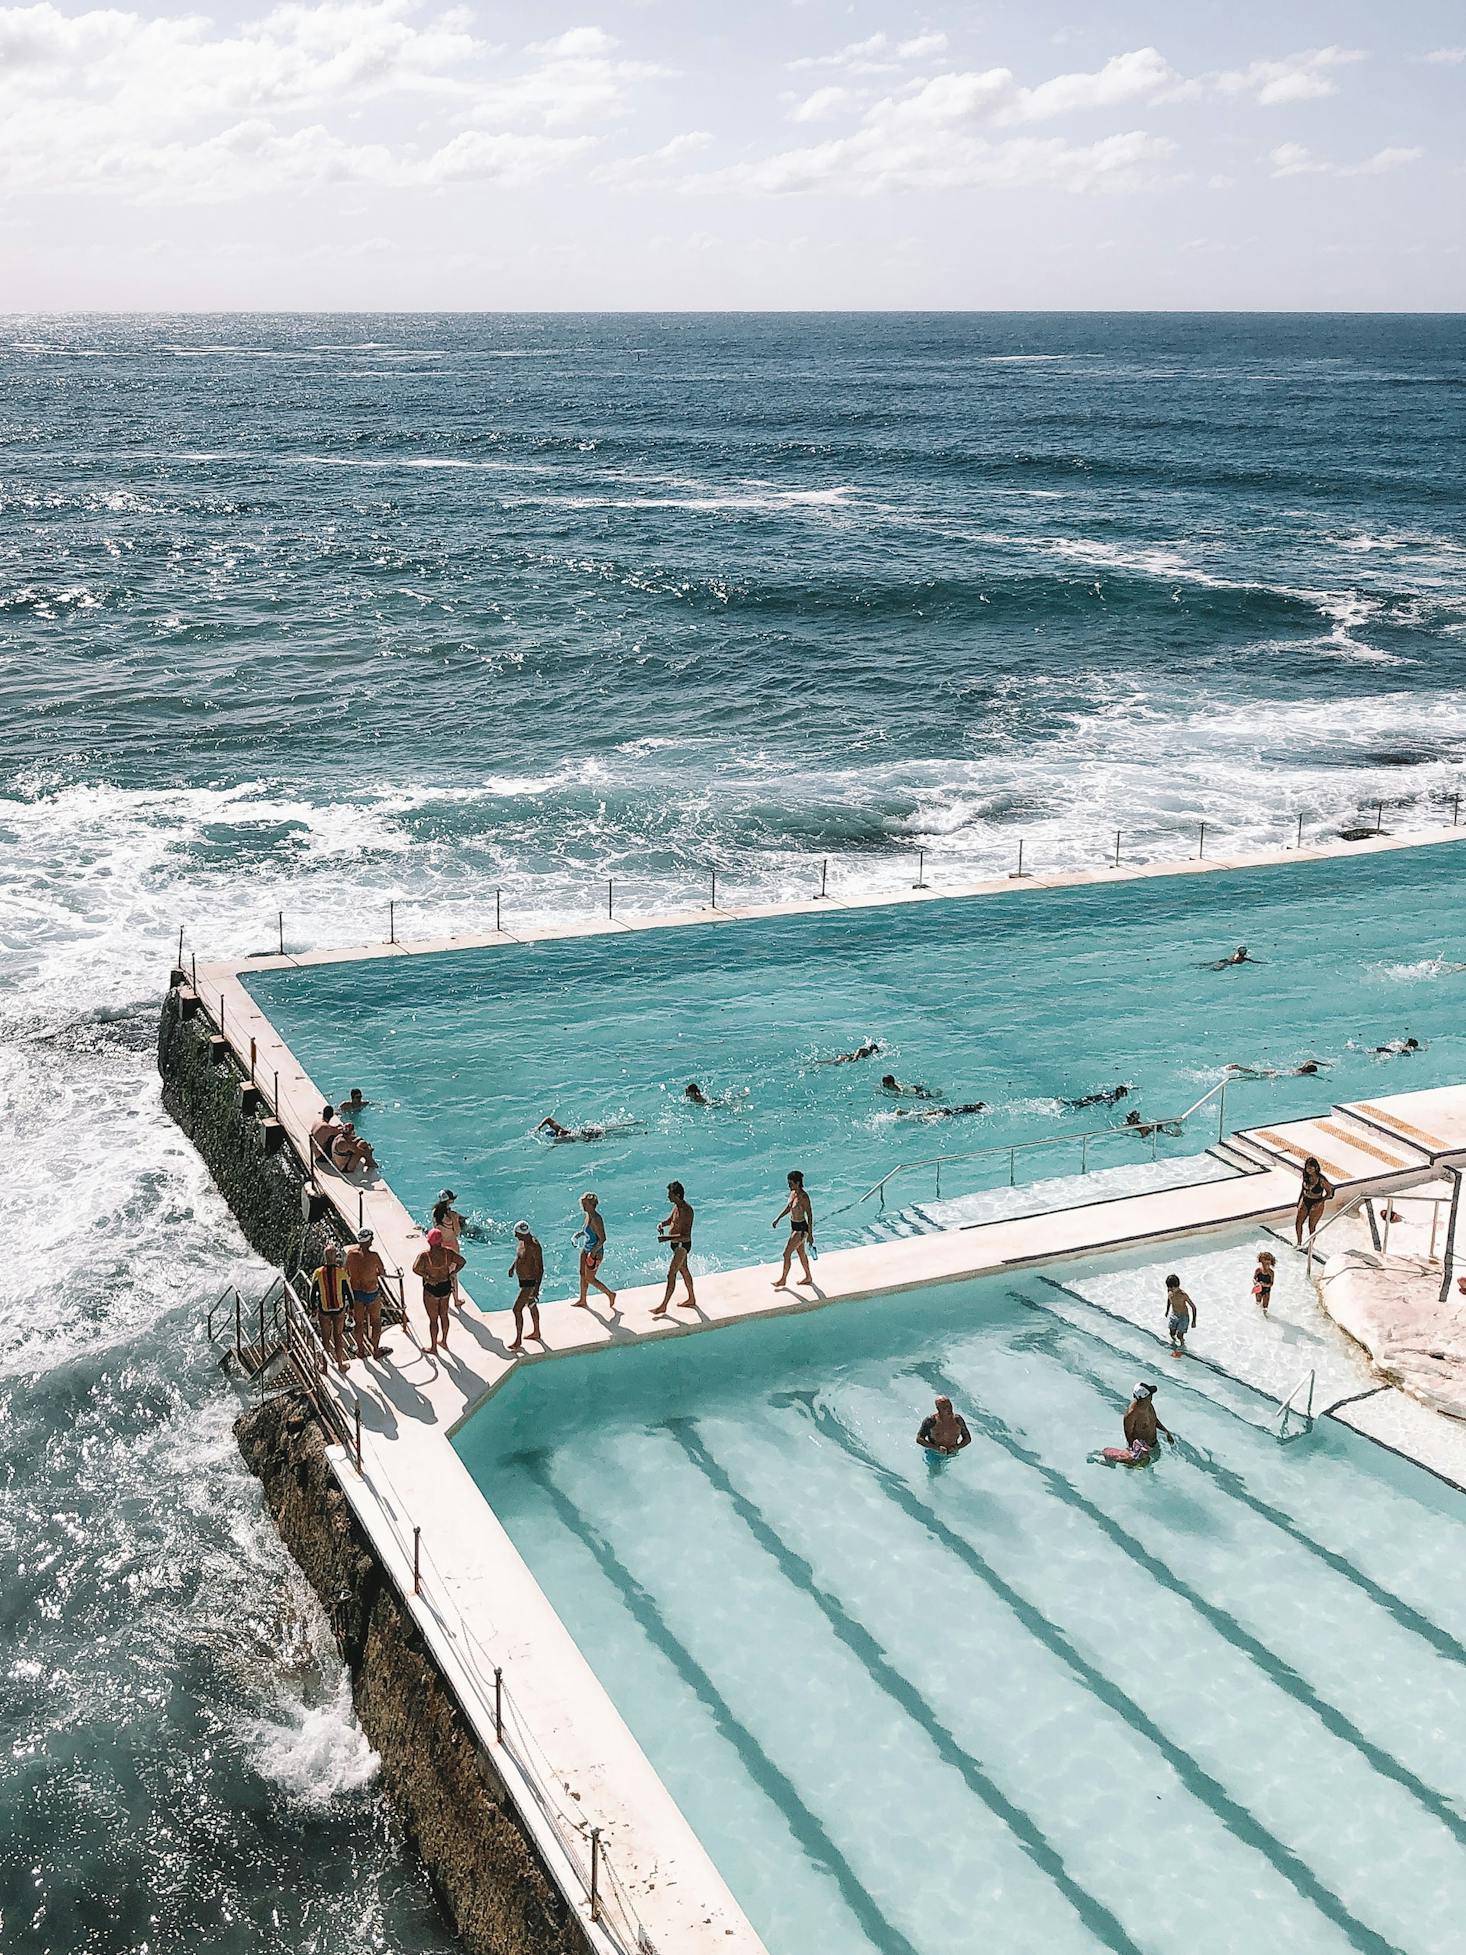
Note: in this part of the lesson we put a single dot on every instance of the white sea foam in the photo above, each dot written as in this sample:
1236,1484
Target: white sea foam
315,1752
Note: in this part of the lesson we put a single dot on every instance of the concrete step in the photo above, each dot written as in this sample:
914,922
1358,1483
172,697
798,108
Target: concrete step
1349,1151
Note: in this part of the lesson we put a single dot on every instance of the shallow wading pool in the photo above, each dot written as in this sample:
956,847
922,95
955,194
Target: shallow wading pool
1015,1699
1016,1000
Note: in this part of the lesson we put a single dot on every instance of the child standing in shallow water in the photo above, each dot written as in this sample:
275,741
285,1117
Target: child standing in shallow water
1180,1315
1262,1277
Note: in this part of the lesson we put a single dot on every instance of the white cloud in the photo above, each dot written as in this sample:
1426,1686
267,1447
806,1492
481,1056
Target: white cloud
185,109
1447,57
652,170
1292,159
877,54
1383,161
824,103
1296,78
874,160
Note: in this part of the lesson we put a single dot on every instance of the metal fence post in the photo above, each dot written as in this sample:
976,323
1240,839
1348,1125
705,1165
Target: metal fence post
417,1561
238,1327
251,1062
1020,855
824,872
610,897
358,1435
1455,822
1117,848
361,1208
280,927
1299,842
180,930
715,889
1379,816
1084,1153
1201,850
498,893
391,921
194,973
277,1092
920,882
498,1703
260,1374
595,1873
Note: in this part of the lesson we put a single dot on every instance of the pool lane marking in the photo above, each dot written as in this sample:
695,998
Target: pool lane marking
804,1824
1276,1668
1279,1145
883,1672
1236,1488
1361,1146
1403,1129
1194,1776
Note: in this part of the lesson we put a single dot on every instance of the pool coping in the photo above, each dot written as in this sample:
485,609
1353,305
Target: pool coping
411,1470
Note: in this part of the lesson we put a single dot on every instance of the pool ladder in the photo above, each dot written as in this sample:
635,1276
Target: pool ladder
1286,1408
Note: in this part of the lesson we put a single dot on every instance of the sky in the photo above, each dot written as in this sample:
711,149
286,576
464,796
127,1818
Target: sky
733,154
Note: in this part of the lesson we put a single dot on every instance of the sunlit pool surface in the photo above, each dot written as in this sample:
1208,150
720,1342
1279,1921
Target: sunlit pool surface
1017,1001
1016,1700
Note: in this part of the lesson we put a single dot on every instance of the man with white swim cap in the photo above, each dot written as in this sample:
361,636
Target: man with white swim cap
1141,1424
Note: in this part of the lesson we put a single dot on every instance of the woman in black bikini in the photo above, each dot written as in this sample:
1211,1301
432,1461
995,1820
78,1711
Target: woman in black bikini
1312,1196
437,1266
801,1230
676,1231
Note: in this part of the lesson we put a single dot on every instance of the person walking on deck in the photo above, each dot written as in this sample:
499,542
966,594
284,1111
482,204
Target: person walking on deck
1314,1192
801,1230
529,1267
437,1266
328,1293
452,1224
675,1229
591,1241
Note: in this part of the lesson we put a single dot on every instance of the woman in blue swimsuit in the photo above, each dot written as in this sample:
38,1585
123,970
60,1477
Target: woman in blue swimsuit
591,1239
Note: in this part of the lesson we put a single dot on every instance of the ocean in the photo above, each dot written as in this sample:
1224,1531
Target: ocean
301,617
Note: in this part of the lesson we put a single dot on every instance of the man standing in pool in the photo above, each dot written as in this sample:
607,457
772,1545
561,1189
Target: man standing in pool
943,1431
800,1211
1180,1316
1142,1429
675,1230
529,1267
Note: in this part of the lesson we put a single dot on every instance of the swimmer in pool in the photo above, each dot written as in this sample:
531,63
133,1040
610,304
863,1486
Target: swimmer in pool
592,1130
695,1096
1180,1316
943,1431
1106,1096
942,1112
890,1084
1145,1128
1307,1070
867,1050
1399,1049
1241,955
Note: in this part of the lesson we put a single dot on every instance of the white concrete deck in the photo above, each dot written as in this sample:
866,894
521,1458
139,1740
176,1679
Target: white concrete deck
481,1607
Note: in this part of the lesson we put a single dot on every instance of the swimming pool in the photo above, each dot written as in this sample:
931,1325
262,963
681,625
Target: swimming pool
1017,1000
1015,1699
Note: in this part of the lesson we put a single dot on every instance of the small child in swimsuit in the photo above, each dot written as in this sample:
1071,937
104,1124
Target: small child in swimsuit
1180,1315
1262,1277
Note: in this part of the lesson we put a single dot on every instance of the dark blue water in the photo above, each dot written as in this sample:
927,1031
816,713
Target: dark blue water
310,614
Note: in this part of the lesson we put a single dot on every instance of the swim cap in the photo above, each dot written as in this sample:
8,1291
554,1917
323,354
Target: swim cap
523,1228
364,1237
446,1195
435,1238
1143,1390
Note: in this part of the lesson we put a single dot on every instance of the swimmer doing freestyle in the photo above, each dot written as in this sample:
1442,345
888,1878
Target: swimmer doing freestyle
867,1050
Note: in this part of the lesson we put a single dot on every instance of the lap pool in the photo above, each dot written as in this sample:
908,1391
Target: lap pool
1018,1000
1015,1700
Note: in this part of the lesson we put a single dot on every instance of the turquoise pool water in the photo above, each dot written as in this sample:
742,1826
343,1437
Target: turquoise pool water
1017,1700
1015,1000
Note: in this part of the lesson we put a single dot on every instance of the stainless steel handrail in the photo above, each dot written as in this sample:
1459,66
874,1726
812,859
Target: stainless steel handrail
1218,1091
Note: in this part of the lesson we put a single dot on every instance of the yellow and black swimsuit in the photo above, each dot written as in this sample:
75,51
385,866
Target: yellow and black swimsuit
328,1287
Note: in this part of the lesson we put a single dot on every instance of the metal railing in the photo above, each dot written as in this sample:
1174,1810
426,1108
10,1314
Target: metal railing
1382,1236
1285,1405
282,1315
1110,855
1151,1130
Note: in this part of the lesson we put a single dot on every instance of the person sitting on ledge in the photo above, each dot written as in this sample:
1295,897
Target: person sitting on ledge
867,1050
943,1431
890,1084
323,1136
350,1152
